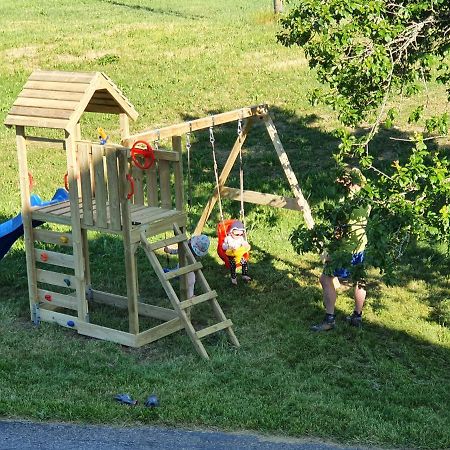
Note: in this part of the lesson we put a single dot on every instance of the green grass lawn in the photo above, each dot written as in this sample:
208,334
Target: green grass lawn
387,384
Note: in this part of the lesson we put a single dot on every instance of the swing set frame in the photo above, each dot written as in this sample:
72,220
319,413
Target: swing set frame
249,115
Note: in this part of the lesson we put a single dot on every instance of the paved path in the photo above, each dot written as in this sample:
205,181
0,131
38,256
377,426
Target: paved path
16,435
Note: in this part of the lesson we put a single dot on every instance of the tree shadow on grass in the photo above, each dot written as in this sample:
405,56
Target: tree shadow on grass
148,9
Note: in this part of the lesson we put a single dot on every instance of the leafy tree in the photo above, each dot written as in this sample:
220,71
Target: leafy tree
366,53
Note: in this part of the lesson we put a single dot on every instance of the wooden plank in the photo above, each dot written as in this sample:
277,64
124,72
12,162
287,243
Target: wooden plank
51,86
39,122
197,124
164,184
138,177
178,174
62,77
167,242
152,186
102,109
78,255
55,278
290,175
51,94
149,215
183,270
113,189
107,334
46,103
44,217
129,249
101,196
41,112
86,183
259,198
160,331
121,302
198,299
57,299
103,101
61,319
152,229
54,258
26,216
47,140
53,207
214,328
52,237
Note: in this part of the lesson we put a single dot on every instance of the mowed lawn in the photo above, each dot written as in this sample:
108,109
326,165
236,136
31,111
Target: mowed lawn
386,385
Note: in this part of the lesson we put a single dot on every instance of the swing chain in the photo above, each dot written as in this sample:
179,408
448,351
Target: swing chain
216,169
239,128
157,140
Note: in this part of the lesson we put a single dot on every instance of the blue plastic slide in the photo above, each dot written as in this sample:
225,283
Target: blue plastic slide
12,229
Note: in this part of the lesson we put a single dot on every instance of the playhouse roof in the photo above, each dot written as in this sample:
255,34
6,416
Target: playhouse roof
54,99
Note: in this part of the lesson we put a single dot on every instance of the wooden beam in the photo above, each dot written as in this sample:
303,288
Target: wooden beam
286,165
260,198
197,124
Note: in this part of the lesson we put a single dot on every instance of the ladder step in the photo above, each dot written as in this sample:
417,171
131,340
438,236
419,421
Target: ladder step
214,328
55,278
55,258
166,242
53,237
57,299
183,270
198,299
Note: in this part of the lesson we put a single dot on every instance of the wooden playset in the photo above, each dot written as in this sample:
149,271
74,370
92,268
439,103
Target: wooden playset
128,190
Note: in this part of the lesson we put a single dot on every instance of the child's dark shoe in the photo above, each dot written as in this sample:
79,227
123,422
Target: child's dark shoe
328,324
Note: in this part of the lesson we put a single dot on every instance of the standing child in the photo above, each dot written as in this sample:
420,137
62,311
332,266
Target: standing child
236,246
352,242
199,246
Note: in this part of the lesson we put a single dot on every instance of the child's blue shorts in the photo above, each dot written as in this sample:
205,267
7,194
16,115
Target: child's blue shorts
357,258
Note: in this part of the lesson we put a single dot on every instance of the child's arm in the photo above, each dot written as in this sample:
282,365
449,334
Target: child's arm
171,251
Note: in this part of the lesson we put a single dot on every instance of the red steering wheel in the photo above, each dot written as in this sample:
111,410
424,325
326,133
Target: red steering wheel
146,153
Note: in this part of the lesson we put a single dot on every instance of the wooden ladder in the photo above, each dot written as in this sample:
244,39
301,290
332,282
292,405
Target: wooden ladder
182,308
47,297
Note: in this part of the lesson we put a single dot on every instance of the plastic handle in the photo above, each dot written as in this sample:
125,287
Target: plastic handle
131,191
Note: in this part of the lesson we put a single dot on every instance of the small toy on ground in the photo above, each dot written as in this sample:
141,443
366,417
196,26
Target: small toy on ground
152,401
125,399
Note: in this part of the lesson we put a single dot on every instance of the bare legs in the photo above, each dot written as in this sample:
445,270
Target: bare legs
329,284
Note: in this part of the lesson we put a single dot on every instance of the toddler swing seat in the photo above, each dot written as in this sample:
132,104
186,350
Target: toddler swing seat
223,227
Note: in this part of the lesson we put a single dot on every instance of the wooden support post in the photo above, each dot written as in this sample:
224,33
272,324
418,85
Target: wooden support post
78,255
124,126
129,248
288,171
224,175
26,217
179,205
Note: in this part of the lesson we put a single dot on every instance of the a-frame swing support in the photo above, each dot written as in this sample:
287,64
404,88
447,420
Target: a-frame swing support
250,115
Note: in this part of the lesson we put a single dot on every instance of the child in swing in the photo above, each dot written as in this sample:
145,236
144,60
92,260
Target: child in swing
236,246
199,246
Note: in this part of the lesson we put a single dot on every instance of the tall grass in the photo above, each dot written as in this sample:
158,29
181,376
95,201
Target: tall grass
175,60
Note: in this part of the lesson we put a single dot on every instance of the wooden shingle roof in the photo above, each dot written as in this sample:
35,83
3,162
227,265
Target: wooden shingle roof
54,99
